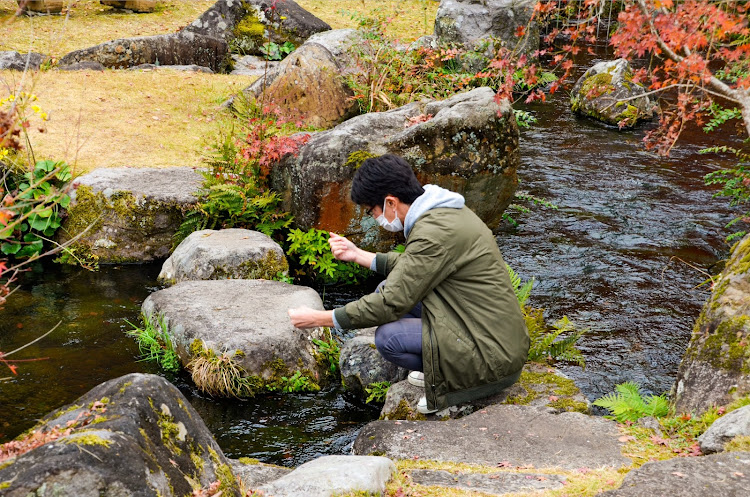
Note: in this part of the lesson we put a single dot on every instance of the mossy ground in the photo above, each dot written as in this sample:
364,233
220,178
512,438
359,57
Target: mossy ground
541,382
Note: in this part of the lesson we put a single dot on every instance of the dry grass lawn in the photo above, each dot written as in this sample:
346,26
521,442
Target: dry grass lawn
146,119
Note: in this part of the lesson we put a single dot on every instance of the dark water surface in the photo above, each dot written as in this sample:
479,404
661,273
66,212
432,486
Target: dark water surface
604,259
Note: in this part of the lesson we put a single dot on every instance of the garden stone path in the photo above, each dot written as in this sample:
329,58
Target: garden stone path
726,474
520,436
493,483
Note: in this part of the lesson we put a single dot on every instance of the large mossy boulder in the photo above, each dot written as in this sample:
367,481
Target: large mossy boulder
249,24
361,365
224,254
183,48
134,435
606,92
469,23
308,86
716,366
128,214
235,337
467,143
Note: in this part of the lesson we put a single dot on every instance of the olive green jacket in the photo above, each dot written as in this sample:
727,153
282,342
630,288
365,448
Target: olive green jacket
474,338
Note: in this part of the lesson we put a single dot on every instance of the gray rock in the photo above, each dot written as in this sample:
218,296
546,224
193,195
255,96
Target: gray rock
42,6
134,435
254,475
308,85
607,93
361,364
131,214
521,435
469,22
248,24
727,475
500,483
187,68
17,61
87,65
252,65
224,254
716,366
734,424
329,475
183,48
340,43
470,145
246,321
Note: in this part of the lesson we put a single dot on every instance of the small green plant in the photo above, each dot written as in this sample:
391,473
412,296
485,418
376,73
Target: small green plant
735,185
274,51
327,352
298,383
521,198
546,342
34,213
377,391
155,343
219,375
628,404
312,254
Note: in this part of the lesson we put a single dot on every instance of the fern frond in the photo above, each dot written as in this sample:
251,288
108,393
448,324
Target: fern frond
628,404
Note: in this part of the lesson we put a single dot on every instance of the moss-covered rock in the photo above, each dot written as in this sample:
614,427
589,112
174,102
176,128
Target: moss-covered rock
606,92
152,442
225,254
127,215
716,366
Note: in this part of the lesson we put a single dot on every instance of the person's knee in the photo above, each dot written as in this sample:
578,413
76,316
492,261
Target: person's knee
382,337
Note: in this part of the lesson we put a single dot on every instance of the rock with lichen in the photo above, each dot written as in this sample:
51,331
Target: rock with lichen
249,24
235,337
183,48
362,365
224,254
467,143
140,6
716,366
469,23
19,61
133,435
607,92
42,6
127,214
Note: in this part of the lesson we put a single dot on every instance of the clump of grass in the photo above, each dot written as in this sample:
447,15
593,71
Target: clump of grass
155,343
219,375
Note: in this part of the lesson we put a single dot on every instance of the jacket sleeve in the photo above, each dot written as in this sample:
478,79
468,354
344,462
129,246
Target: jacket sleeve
422,266
384,263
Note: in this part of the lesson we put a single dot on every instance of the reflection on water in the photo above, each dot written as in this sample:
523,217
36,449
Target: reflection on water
607,258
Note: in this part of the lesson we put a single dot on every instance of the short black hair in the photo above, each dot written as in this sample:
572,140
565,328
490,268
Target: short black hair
388,174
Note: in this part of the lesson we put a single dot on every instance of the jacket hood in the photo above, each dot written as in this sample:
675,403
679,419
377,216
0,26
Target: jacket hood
434,197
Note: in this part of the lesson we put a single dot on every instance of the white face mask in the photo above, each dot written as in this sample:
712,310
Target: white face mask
393,226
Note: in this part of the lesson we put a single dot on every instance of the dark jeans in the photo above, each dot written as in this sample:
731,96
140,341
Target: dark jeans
400,342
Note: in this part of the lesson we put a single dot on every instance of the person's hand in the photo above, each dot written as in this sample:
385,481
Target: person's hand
304,317
343,249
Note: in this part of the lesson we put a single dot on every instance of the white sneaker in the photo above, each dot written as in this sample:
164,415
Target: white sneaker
422,406
416,378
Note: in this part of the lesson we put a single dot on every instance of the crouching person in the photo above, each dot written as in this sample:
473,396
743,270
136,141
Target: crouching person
447,307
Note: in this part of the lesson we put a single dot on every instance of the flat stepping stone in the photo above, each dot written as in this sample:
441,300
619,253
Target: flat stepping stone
726,475
244,321
334,475
253,475
128,214
494,483
520,435
224,254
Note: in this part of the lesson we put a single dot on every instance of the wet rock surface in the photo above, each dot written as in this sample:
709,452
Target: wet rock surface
224,254
133,435
361,364
716,366
246,320
521,435
607,93
334,475
467,143
720,474
128,214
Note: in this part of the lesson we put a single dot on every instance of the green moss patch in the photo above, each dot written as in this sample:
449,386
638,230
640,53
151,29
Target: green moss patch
540,383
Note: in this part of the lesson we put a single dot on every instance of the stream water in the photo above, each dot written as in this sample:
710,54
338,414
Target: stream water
622,255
